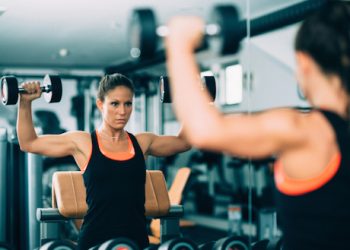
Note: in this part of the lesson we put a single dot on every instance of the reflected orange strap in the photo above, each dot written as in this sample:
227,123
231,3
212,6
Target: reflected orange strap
294,187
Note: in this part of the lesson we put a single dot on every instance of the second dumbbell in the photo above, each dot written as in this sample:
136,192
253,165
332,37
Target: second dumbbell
144,32
51,88
208,82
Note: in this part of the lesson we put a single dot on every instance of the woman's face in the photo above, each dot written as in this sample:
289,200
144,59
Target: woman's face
117,107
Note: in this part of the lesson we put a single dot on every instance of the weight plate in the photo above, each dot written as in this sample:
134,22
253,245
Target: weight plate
227,42
142,34
232,242
59,245
178,244
9,90
54,85
119,244
207,246
210,85
164,89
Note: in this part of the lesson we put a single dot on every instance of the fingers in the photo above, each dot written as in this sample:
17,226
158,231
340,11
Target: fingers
31,92
185,31
31,87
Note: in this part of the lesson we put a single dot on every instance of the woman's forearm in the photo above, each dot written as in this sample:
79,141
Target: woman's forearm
25,128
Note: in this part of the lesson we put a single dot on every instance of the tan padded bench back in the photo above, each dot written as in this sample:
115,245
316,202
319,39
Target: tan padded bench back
69,194
175,196
178,185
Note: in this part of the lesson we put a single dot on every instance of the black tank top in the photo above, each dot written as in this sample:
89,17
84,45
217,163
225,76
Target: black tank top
115,195
320,219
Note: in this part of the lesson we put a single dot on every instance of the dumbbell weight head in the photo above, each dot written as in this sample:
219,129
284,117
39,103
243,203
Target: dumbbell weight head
119,243
225,17
164,89
208,82
53,88
9,90
143,37
59,245
94,247
232,242
178,244
207,246
152,247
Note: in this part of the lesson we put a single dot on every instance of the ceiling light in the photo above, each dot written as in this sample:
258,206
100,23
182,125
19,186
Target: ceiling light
63,52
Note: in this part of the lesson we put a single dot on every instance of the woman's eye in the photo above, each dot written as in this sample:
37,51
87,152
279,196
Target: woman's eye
128,104
114,104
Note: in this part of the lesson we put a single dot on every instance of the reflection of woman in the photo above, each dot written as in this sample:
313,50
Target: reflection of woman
113,161
312,172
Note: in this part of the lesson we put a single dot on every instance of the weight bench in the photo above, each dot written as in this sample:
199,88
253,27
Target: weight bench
175,196
69,202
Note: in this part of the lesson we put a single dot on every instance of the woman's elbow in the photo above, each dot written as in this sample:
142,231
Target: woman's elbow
198,140
26,147
23,148
187,147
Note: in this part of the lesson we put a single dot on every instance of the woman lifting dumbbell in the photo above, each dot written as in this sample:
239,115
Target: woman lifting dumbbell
312,171
113,161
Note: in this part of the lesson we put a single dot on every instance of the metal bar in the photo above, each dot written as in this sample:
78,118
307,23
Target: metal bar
3,183
174,211
15,191
49,215
170,223
169,228
130,66
284,17
33,198
49,231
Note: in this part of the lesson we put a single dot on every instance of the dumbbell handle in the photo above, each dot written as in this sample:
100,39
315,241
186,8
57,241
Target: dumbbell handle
45,89
209,30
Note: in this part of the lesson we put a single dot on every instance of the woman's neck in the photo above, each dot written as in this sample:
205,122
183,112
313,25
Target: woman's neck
330,95
112,134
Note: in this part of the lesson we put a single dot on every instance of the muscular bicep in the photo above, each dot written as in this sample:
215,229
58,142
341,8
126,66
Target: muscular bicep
168,145
163,146
53,145
256,135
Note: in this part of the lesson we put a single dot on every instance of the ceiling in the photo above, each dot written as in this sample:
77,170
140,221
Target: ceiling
86,36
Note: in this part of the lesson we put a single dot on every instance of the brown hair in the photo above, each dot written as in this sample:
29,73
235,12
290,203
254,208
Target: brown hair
110,82
325,36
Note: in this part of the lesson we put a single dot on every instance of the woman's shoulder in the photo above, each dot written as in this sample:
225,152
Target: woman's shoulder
79,135
144,136
144,139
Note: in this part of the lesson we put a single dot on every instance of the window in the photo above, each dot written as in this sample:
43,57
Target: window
233,84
